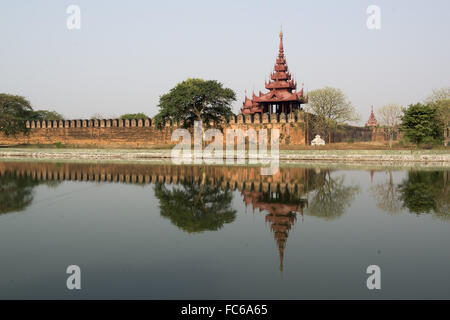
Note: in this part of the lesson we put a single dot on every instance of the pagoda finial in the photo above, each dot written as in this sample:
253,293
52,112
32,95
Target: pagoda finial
281,41
281,31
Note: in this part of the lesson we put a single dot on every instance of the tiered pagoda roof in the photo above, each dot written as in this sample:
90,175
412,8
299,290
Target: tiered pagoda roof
281,85
372,122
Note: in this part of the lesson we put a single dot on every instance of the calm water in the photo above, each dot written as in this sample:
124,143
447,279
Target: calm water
212,232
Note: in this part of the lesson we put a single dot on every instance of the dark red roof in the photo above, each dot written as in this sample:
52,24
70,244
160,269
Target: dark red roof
281,86
372,122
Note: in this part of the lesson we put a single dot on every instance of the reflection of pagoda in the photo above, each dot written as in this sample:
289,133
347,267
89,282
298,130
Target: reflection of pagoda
282,213
372,122
282,96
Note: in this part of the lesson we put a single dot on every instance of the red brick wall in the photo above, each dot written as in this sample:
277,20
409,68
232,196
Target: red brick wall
118,133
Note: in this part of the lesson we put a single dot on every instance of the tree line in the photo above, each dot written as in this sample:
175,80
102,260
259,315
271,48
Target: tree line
423,123
16,110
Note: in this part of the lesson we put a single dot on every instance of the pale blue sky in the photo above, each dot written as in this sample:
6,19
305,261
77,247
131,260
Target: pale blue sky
128,53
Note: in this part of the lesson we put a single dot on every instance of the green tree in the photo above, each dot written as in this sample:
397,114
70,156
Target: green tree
420,123
14,111
131,116
196,100
332,108
47,115
441,99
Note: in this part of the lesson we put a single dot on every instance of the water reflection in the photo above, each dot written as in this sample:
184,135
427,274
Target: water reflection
420,192
425,192
199,198
205,199
16,191
386,195
202,191
331,197
195,207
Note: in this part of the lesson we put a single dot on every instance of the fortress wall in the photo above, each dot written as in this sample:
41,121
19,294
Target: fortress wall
352,133
142,133
133,137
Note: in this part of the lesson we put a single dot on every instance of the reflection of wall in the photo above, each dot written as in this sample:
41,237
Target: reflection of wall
242,178
280,196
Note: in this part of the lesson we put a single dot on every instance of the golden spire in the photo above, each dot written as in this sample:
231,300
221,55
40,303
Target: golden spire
281,31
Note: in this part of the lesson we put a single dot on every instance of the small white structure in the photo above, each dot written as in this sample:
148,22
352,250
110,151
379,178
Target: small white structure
317,141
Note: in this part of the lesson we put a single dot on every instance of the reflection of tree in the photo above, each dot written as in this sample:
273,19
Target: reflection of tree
16,193
426,192
195,207
386,196
331,197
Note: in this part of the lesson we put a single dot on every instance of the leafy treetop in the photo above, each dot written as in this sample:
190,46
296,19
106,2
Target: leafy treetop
196,100
14,111
420,123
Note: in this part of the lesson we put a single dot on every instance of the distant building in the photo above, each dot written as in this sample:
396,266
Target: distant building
372,122
282,96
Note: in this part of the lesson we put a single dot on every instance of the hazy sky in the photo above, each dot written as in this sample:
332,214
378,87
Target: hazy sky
128,53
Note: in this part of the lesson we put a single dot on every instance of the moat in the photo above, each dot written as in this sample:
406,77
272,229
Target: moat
159,231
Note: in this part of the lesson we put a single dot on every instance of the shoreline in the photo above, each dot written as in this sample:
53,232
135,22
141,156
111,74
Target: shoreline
441,157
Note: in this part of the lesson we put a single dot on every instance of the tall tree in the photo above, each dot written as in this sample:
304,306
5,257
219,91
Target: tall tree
444,117
441,99
196,100
420,123
332,108
389,117
14,111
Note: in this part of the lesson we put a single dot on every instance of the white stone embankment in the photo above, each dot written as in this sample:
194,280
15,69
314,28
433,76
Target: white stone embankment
381,156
